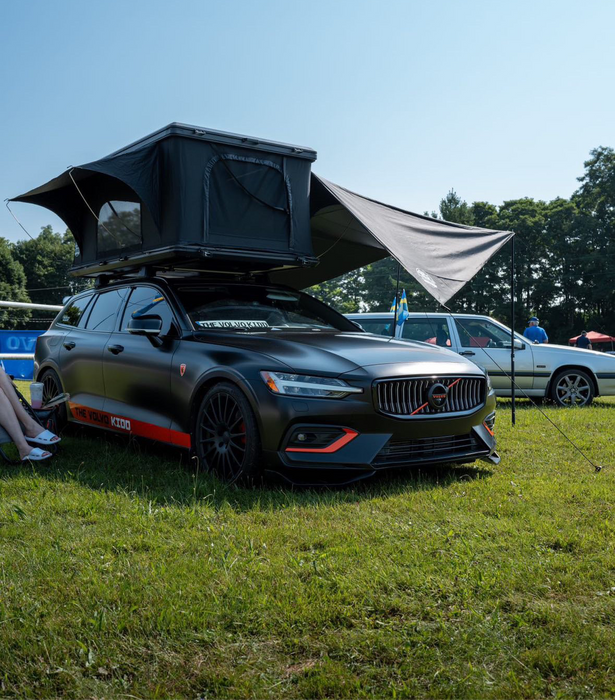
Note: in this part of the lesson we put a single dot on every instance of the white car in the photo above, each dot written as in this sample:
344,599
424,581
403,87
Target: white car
568,376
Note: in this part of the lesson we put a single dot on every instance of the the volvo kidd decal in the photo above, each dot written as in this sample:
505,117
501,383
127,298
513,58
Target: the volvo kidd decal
103,419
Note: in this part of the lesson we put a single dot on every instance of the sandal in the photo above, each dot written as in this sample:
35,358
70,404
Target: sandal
36,455
44,438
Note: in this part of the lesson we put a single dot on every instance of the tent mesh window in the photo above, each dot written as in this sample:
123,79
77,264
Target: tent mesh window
247,204
119,227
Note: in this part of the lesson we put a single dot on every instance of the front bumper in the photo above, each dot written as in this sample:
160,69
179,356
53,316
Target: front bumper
382,441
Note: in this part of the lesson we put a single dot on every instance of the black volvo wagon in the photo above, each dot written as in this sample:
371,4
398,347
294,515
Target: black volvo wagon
252,376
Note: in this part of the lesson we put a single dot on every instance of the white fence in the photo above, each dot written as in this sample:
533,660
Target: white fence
24,305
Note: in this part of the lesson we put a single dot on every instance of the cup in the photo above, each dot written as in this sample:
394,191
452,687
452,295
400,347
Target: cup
36,394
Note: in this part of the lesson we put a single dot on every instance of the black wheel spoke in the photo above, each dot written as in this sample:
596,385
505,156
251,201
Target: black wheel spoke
232,425
213,418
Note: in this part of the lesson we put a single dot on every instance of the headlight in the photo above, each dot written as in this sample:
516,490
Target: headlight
305,385
489,384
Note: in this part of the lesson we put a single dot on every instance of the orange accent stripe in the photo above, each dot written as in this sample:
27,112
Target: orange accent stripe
489,430
333,447
128,426
420,408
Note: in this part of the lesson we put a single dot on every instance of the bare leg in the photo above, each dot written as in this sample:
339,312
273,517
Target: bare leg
8,420
31,427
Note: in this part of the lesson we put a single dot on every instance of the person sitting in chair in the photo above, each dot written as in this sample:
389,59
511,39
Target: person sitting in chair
20,426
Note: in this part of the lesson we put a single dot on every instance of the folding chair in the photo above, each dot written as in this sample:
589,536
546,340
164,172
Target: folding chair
45,417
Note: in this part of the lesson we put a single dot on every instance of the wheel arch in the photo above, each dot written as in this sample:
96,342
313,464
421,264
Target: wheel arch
48,364
565,368
216,376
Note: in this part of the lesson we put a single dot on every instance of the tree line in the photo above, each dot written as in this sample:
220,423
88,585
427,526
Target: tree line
564,253
36,270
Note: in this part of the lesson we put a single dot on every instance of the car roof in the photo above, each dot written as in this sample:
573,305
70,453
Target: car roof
389,314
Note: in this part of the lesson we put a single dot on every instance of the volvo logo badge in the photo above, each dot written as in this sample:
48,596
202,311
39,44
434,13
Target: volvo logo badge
437,395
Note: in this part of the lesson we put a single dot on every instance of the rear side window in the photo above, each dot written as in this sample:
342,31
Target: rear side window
75,312
104,312
378,326
427,330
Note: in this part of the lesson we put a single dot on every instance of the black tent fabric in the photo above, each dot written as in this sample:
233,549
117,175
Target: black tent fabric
350,231
185,194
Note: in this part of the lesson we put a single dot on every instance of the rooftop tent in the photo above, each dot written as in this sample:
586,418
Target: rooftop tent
350,231
188,197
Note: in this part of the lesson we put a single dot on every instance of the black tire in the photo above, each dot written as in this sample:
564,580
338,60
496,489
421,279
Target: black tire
52,387
226,437
572,387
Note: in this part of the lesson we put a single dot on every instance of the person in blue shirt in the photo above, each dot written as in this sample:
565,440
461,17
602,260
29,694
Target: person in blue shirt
534,333
583,341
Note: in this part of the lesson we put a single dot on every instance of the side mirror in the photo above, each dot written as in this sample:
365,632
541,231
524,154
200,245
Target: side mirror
519,345
358,325
150,326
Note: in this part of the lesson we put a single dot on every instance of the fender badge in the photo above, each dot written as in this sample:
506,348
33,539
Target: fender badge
182,370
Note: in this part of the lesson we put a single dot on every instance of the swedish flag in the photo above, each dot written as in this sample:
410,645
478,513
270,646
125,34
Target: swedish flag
402,309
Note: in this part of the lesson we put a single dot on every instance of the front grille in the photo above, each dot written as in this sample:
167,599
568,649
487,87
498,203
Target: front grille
446,448
409,397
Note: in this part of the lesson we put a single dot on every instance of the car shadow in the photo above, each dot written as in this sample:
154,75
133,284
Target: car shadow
162,475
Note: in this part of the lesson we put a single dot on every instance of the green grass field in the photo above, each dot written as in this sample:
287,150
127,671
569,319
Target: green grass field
124,573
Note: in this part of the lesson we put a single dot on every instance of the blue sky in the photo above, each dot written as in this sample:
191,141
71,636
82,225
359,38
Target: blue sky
403,100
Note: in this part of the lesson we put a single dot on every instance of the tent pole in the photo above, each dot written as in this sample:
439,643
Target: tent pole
396,301
512,328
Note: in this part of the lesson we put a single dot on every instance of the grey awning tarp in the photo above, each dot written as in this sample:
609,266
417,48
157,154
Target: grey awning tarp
351,231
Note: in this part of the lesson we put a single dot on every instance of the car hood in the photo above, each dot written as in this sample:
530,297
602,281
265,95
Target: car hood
548,350
335,353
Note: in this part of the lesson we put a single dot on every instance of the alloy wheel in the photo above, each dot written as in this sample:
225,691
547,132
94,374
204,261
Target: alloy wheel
573,389
222,436
50,388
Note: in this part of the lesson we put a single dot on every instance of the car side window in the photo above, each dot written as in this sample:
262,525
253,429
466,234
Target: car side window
377,326
104,312
427,330
74,314
480,333
143,297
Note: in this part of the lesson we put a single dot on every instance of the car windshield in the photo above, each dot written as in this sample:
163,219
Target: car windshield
255,308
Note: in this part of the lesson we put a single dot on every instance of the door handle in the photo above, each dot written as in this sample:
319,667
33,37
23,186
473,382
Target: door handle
467,353
115,349
70,345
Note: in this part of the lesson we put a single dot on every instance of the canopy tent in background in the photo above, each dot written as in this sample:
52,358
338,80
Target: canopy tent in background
595,338
351,231
187,198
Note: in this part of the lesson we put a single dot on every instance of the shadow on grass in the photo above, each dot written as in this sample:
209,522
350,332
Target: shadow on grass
165,475
603,402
